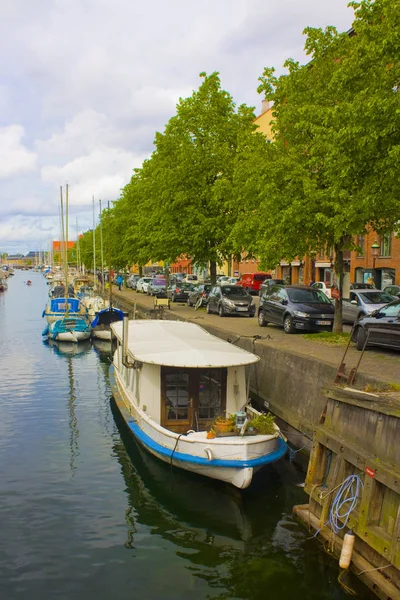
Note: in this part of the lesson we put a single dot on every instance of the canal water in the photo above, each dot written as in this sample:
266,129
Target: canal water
86,514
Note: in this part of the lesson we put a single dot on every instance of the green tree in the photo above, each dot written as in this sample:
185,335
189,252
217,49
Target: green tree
332,169
183,193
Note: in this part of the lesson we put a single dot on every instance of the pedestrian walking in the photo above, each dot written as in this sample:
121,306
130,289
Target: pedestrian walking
119,281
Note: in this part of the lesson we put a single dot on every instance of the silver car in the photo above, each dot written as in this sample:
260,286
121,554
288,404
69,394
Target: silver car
363,302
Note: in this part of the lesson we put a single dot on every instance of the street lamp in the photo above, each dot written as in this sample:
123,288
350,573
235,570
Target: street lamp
375,253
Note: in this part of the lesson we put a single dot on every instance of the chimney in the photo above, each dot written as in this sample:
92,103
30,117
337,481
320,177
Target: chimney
264,106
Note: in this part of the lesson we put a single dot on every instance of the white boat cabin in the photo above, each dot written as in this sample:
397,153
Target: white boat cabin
179,374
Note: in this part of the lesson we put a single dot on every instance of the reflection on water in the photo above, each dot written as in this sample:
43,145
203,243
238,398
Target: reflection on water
86,513
241,545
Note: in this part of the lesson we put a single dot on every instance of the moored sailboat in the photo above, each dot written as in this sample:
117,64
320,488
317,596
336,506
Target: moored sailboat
101,325
69,326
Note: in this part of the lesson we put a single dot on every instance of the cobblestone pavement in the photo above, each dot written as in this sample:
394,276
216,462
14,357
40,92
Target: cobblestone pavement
383,365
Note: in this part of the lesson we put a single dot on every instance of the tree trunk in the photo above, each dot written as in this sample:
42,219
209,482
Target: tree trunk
213,272
141,270
166,273
338,322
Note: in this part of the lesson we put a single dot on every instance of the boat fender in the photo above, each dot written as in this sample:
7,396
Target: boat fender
209,453
347,550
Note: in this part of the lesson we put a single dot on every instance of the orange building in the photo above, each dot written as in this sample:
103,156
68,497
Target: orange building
59,246
378,258
182,265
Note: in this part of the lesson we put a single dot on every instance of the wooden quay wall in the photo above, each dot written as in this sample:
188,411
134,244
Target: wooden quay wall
358,435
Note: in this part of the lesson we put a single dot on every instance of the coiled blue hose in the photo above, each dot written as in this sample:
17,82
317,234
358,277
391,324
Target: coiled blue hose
345,502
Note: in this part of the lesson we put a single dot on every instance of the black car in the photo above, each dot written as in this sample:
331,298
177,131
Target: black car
179,292
267,282
381,328
230,300
157,287
296,307
199,291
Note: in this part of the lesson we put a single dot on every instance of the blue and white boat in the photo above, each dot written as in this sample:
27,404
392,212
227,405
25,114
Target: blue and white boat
68,329
57,308
101,324
170,380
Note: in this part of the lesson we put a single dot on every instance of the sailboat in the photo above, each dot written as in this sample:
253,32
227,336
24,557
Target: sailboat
69,327
101,325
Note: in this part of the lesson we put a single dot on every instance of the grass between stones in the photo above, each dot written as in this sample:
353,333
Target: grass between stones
328,337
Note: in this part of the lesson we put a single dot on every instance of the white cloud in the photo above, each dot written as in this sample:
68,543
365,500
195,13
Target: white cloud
15,158
102,173
87,83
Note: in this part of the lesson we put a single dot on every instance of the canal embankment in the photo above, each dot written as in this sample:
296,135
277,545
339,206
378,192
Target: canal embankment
293,370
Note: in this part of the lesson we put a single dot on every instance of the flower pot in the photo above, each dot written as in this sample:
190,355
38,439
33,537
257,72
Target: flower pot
222,427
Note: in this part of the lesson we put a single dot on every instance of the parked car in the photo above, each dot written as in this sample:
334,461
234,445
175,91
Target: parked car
268,282
223,279
132,281
362,286
157,287
252,281
230,300
175,278
363,302
294,307
191,278
381,328
393,290
321,285
199,291
179,292
142,284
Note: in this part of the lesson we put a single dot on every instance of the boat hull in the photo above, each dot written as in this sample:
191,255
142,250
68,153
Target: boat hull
231,460
102,334
68,330
71,336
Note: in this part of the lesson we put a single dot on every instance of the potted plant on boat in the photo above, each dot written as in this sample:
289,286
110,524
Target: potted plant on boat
224,424
264,424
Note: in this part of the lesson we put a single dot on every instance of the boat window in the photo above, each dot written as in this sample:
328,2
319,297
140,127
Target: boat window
177,395
211,388
191,395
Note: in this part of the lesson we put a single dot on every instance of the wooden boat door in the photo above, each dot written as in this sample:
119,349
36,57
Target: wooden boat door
191,398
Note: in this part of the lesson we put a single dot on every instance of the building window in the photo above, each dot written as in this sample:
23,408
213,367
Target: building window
386,245
361,245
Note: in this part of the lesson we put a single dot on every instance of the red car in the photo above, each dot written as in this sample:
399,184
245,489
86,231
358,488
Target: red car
252,281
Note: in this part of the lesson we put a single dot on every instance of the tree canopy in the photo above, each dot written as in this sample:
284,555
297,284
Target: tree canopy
332,168
180,201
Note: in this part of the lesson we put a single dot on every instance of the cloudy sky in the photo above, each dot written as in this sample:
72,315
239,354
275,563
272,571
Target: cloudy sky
85,84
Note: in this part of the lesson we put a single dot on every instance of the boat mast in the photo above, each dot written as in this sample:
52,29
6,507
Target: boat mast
64,236
109,254
94,247
101,249
78,270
